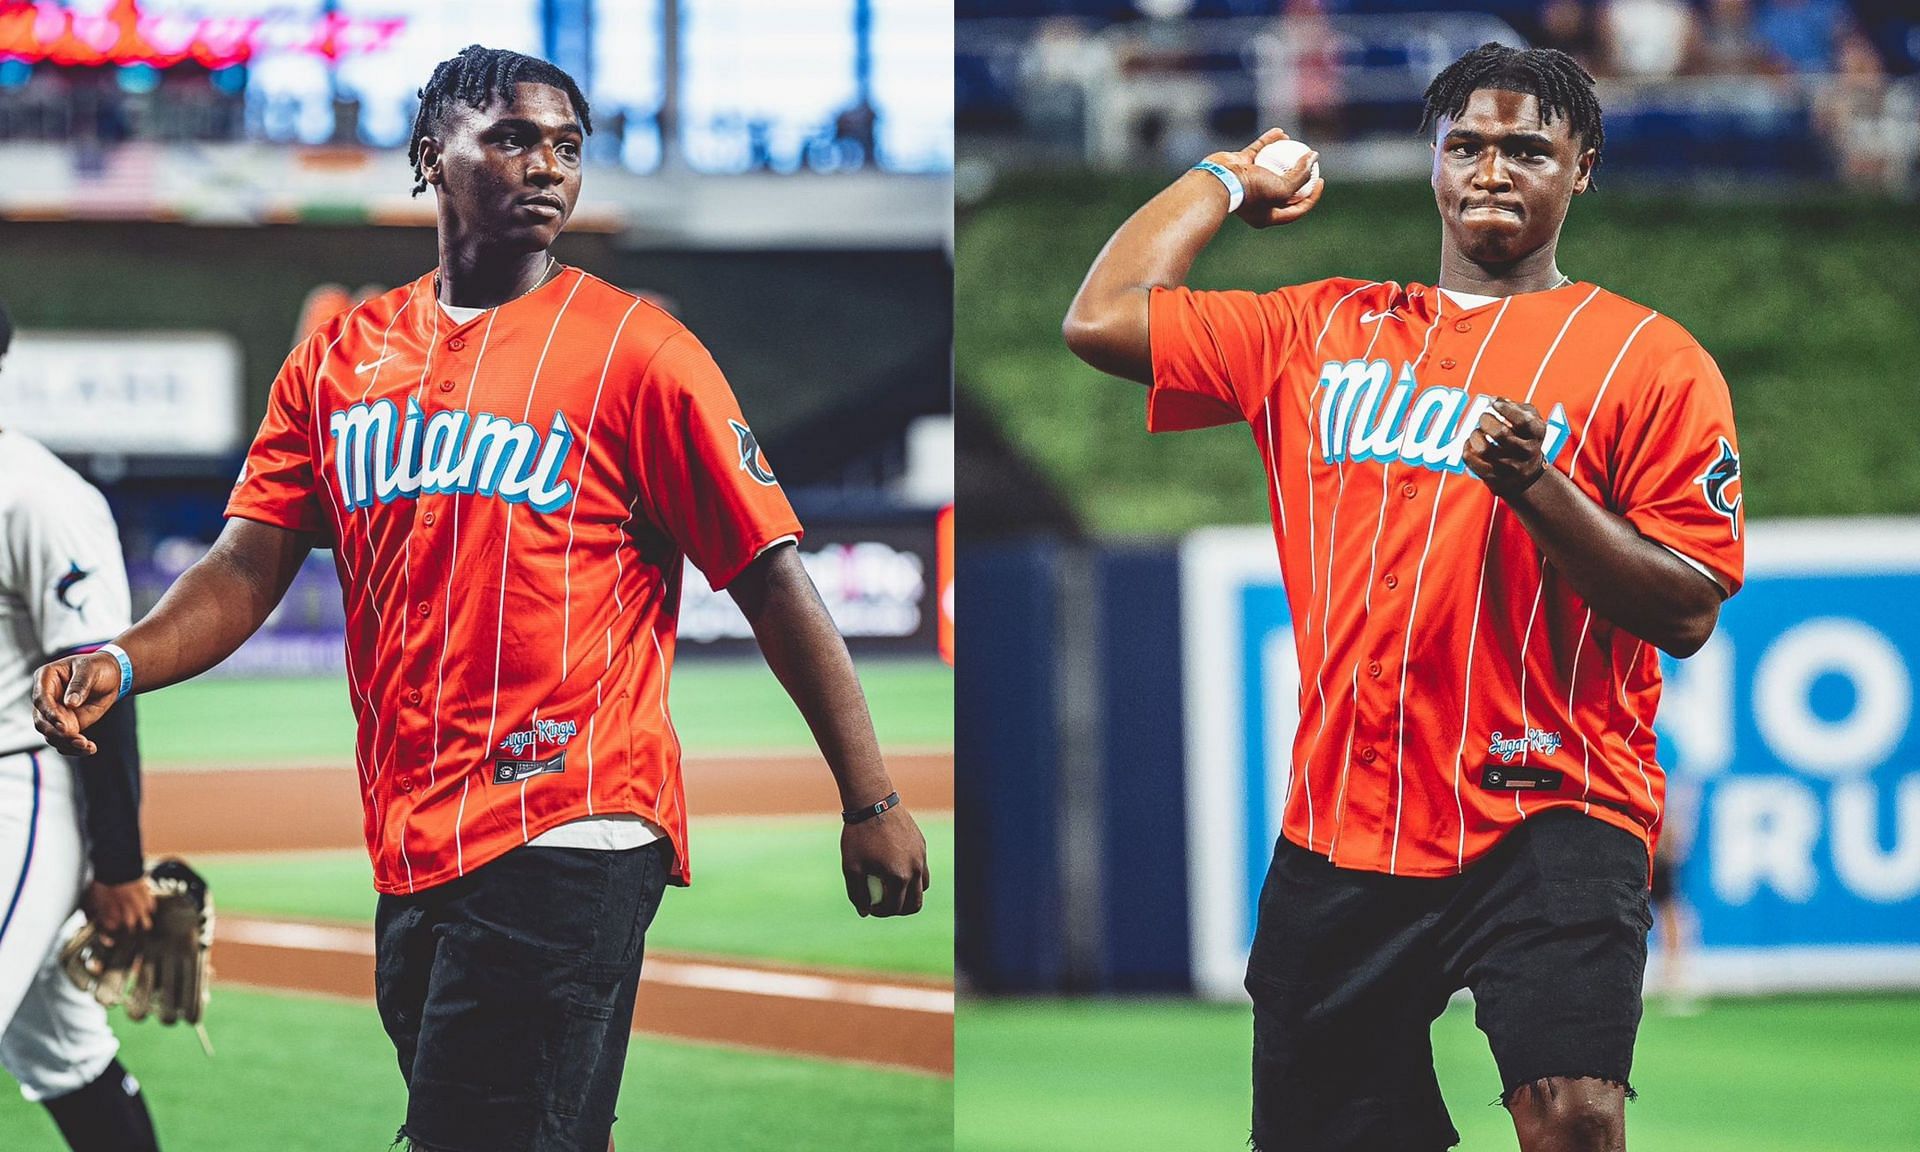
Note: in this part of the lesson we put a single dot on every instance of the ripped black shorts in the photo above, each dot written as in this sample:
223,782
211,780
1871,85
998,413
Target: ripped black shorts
1349,970
509,993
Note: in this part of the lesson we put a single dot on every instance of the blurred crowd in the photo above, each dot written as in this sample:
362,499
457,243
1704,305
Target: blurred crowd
1658,39
1744,41
1840,71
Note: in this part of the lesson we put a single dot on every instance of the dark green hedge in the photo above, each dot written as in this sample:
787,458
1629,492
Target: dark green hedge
1808,302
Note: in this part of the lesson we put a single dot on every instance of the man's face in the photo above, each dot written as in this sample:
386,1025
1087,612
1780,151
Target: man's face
1502,178
510,171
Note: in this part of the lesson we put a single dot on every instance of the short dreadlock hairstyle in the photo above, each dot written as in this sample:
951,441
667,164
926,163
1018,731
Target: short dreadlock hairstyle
1549,75
476,77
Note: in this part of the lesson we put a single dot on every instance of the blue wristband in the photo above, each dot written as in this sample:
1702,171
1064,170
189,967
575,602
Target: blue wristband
1235,191
126,667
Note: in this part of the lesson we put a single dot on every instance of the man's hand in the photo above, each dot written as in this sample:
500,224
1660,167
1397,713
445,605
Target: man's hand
119,909
69,695
889,848
1505,450
1271,197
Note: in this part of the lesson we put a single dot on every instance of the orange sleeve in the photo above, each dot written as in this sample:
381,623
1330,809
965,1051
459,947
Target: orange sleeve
277,484
1677,465
701,473
1216,355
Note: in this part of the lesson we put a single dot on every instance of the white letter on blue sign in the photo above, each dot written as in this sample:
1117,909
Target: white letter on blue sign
1888,877
1883,696
1696,707
1764,830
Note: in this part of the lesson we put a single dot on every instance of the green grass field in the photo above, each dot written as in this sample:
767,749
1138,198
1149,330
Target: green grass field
298,1074
1815,1074
717,705
762,889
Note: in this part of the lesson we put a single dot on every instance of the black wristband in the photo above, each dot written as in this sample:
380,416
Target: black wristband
859,815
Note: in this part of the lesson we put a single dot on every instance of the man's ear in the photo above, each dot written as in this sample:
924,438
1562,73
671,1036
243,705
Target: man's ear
1584,164
430,156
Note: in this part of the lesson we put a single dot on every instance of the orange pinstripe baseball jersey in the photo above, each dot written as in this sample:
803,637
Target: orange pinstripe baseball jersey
510,500
1451,682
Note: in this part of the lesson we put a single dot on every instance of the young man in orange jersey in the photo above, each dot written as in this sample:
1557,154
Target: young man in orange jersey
1494,499
512,460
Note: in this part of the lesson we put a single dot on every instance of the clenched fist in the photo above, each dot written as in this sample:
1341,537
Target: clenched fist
70,695
1505,451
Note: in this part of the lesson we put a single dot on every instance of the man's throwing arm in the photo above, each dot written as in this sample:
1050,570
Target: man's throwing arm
1106,325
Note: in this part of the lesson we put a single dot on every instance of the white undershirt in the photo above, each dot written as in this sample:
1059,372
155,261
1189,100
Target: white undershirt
605,833
458,314
1470,300
1464,299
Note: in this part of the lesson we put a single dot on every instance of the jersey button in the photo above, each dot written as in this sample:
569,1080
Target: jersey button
429,519
413,696
456,343
1391,581
447,385
1373,668
1369,755
425,608
1408,490
1448,363
1462,326
406,785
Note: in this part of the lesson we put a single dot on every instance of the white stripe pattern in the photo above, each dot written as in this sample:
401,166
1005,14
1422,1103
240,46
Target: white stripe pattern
566,561
1313,552
1526,643
1320,670
1473,632
1406,651
446,606
506,548
453,561
1373,563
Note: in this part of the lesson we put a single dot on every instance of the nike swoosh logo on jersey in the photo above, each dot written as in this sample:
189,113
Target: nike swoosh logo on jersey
1370,317
363,369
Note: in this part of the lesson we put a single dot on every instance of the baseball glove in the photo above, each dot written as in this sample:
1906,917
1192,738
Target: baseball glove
164,970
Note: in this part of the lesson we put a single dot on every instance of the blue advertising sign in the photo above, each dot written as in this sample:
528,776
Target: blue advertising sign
1793,760
1794,763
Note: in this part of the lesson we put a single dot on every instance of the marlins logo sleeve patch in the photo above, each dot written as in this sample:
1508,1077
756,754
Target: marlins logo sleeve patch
1718,482
63,588
751,462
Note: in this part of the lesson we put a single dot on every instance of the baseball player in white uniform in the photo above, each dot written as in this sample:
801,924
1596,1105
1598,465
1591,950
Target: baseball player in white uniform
69,828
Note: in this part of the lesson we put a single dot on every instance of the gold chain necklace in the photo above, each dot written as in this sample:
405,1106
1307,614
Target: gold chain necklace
553,263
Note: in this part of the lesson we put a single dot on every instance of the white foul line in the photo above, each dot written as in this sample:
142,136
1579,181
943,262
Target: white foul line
301,937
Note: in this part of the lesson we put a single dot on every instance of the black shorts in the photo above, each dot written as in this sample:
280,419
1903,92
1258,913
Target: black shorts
1663,879
1349,970
508,995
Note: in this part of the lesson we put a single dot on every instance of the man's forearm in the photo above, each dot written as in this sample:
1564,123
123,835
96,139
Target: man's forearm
1627,578
209,611
808,657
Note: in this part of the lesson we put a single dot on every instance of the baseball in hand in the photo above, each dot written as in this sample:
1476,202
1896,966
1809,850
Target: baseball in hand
1284,154
876,891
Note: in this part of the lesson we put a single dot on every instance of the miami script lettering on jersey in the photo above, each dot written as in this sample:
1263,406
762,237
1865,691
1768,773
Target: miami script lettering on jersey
380,456
1366,413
